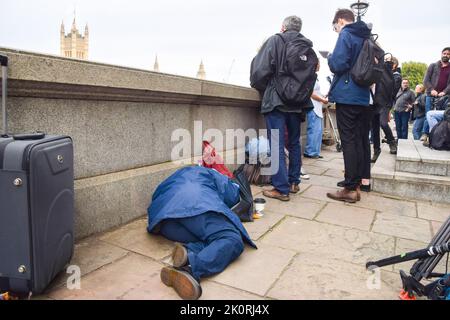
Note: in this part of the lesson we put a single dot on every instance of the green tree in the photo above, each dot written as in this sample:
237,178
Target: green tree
415,72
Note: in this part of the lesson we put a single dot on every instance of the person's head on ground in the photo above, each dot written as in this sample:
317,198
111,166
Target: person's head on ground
342,18
420,88
445,55
292,23
405,84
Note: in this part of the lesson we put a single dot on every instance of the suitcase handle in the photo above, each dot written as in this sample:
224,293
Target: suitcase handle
3,61
31,136
4,67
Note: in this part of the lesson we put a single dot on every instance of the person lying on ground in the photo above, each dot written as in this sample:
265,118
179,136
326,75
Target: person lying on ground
192,208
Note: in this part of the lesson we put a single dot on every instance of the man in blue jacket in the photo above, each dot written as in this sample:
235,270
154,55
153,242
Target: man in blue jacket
352,101
192,207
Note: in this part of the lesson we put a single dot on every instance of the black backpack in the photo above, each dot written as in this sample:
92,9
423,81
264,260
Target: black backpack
440,103
244,209
296,75
369,66
384,89
440,135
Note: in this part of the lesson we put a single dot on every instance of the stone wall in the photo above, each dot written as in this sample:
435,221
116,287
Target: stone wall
121,120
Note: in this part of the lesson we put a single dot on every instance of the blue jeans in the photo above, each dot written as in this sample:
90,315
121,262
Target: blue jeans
401,124
418,127
428,105
211,239
434,117
314,139
277,120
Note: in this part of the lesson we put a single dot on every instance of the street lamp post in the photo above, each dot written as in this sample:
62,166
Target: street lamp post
360,8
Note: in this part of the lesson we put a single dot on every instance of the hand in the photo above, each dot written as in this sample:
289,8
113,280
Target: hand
441,94
434,93
325,101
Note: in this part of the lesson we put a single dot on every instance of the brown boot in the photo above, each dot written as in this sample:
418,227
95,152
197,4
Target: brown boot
183,283
179,256
344,195
275,194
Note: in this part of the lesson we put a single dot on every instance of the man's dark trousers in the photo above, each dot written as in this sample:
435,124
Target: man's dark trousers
212,241
381,120
401,123
277,120
353,123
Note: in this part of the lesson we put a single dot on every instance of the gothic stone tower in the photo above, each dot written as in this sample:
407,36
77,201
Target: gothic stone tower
74,44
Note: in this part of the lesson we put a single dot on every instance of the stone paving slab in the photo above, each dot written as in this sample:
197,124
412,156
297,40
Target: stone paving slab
432,156
256,270
319,193
436,226
323,181
435,212
335,173
402,227
347,216
329,165
407,151
134,237
261,226
385,166
329,241
395,206
133,278
309,277
297,207
311,169
90,255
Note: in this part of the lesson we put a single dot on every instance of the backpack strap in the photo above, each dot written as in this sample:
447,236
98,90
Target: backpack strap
279,34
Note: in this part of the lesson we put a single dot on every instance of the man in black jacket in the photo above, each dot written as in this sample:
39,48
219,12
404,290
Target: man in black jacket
437,84
278,115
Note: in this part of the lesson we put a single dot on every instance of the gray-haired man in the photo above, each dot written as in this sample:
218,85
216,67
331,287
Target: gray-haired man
279,116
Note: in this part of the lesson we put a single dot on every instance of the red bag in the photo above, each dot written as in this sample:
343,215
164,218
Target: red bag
212,160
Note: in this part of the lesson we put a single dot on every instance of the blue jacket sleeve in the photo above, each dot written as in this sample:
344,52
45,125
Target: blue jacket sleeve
341,58
228,191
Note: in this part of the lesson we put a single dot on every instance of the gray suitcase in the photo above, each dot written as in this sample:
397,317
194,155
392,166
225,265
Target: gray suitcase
36,206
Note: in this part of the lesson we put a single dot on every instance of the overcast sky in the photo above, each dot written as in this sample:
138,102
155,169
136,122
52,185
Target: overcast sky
224,33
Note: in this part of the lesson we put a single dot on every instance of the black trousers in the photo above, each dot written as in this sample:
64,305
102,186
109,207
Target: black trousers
381,120
354,125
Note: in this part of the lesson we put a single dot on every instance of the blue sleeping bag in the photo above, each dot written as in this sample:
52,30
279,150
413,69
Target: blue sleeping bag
191,192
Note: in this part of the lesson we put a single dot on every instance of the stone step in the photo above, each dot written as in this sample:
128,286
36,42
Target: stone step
416,186
413,157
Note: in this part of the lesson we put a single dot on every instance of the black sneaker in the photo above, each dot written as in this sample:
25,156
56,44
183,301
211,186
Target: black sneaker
341,184
393,148
366,188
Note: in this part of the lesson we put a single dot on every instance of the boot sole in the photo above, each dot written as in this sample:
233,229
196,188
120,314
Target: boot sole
179,256
182,282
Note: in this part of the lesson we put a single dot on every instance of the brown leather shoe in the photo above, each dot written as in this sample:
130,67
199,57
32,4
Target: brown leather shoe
183,283
295,188
344,195
179,256
275,194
